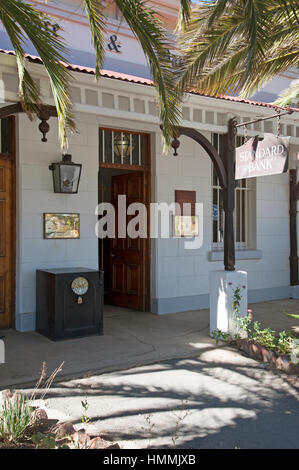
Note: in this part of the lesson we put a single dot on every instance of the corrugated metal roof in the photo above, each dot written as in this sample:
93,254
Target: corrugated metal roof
142,81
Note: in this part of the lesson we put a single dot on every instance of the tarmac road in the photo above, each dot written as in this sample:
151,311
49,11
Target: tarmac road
220,400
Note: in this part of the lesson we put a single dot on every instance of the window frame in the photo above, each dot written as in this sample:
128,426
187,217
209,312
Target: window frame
244,194
130,166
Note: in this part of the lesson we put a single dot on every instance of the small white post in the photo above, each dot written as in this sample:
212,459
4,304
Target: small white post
223,285
2,352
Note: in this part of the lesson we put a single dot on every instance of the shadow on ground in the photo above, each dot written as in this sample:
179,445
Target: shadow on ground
213,405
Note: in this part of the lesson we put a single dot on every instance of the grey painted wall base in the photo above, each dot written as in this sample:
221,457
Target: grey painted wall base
294,292
26,321
271,293
198,302
180,304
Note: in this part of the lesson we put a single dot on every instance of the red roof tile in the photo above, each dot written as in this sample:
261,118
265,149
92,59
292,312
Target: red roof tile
143,81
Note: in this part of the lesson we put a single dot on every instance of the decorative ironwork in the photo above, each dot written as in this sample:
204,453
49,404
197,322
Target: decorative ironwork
175,145
44,113
44,127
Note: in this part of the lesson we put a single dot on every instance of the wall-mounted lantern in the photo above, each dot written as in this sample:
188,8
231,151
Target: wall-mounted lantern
66,175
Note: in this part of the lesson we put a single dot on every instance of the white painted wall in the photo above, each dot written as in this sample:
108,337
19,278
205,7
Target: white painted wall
36,196
185,273
180,277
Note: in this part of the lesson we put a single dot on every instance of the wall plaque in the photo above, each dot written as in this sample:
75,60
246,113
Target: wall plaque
61,226
186,226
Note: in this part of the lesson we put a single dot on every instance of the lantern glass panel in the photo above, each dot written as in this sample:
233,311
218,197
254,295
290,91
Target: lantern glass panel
117,147
144,149
107,147
135,149
56,178
69,178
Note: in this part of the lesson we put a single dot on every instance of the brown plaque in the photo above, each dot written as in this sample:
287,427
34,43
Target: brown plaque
185,197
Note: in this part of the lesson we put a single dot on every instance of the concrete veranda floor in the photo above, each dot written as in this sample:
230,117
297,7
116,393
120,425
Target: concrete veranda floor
130,339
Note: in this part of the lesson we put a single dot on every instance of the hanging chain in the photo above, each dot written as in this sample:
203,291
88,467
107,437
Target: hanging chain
245,134
66,146
278,126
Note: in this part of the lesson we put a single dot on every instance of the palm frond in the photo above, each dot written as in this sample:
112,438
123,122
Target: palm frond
184,14
238,46
155,44
23,22
97,22
290,95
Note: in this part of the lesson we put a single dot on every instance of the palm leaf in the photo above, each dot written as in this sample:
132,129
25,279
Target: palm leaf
290,95
184,14
23,22
96,17
155,44
238,46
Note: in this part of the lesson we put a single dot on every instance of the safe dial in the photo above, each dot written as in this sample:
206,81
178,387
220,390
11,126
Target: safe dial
79,286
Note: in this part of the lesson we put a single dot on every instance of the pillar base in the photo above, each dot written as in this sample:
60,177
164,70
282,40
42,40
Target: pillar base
223,285
2,352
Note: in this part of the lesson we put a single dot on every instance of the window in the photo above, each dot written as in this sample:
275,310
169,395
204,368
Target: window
123,148
244,206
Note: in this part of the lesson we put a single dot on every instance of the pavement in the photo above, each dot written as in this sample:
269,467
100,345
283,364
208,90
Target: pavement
130,339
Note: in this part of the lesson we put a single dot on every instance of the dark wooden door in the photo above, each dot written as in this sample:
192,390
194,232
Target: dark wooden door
6,242
127,255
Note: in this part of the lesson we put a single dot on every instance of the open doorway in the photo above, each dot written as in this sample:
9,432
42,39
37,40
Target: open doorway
125,171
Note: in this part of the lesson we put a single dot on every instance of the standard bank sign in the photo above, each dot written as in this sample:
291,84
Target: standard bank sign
262,157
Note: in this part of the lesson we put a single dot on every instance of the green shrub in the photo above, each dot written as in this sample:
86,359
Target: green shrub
15,418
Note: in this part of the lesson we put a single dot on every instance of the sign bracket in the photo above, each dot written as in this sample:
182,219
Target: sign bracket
278,114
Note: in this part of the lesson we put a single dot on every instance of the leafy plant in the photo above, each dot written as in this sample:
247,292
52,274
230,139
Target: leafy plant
85,406
15,418
17,413
219,335
244,323
264,337
237,300
285,342
47,441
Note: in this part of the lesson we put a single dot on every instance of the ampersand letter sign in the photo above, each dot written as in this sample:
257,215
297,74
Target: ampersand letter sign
114,45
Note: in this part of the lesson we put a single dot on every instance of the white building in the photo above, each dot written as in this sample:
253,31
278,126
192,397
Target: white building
167,277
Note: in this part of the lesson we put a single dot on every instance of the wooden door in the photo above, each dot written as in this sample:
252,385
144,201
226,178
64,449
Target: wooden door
128,255
6,242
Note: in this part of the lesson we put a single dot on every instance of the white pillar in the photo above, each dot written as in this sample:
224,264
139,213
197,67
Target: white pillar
223,285
2,352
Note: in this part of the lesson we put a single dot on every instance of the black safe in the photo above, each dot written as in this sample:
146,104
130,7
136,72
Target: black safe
69,302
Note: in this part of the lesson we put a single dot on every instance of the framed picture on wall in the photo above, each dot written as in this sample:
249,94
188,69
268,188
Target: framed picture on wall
61,226
186,226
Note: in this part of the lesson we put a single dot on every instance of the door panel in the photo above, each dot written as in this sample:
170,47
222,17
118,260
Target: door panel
127,255
6,242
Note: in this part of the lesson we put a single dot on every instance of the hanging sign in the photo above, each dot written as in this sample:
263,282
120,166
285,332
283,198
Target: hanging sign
260,158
